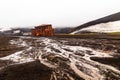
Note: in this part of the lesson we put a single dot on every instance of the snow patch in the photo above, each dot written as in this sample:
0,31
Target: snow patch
16,57
82,65
90,71
5,29
102,27
16,31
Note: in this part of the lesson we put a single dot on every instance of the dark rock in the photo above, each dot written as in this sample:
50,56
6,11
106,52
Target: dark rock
27,71
80,53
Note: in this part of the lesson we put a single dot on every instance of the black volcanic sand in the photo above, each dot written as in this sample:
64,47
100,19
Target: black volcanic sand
37,71
97,44
105,45
115,61
5,63
6,48
27,71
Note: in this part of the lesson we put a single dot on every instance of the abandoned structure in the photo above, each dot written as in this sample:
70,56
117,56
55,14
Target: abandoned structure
43,30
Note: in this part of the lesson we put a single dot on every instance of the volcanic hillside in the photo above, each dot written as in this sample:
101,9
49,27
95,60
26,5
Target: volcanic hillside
111,20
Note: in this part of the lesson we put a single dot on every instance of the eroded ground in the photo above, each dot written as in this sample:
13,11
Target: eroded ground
109,46
62,58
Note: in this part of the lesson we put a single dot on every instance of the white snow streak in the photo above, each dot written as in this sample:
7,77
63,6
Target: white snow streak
102,27
66,51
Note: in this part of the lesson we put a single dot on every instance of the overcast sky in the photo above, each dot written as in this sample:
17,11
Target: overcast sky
17,13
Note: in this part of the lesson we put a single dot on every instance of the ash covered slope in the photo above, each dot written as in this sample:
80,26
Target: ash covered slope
102,23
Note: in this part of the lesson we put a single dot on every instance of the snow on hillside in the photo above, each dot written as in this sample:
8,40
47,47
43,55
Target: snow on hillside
16,31
2,29
102,27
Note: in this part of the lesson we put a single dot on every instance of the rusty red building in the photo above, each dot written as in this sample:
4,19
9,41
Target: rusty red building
43,30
